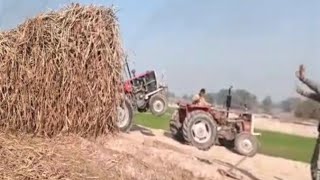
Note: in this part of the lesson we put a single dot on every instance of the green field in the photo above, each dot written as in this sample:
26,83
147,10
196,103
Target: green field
272,143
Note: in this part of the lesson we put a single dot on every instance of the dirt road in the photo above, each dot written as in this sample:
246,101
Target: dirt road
306,130
158,148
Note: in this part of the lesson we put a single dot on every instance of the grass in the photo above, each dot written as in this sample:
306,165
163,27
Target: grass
272,143
287,146
151,121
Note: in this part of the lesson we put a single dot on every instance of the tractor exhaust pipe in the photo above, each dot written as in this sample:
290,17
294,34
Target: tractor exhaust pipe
127,65
228,101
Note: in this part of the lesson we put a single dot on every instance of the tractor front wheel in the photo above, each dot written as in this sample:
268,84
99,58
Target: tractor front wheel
125,116
246,144
200,130
158,104
176,127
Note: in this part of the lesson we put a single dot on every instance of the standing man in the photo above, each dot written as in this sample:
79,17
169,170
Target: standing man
315,95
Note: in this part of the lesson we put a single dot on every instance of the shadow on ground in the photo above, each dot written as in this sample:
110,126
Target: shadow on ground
228,145
228,165
144,131
169,135
277,178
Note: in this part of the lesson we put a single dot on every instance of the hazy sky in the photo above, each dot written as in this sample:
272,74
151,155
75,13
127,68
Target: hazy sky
255,45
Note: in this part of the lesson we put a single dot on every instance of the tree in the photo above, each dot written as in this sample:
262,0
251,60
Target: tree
308,109
267,104
240,97
290,104
210,98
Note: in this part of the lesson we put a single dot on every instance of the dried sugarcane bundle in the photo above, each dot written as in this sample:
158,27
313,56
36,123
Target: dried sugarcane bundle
61,72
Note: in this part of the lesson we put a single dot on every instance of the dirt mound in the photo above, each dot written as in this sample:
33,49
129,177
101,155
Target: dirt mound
61,72
72,157
157,147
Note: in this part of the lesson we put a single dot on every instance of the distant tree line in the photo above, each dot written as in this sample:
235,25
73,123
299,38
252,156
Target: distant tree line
240,98
308,109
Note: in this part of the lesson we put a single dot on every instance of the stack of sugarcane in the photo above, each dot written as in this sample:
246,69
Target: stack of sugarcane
61,72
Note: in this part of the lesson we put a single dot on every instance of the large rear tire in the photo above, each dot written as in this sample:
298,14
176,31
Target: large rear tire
158,104
125,116
246,144
200,130
176,127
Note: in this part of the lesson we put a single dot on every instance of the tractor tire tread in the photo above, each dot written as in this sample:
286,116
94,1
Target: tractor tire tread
188,123
162,98
176,127
128,127
252,138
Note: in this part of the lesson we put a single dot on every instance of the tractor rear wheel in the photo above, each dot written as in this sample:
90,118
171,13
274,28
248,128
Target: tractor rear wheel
176,127
125,116
246,144
200,130
158,104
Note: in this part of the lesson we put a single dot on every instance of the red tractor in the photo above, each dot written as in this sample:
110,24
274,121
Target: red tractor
203,127
146,93
143,92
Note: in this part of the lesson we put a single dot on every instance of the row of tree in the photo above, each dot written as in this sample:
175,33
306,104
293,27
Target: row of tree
242,98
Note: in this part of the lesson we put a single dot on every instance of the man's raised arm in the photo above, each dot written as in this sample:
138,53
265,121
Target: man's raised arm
310,83
313,96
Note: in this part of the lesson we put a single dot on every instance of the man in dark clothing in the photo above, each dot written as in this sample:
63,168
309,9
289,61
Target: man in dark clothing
315,95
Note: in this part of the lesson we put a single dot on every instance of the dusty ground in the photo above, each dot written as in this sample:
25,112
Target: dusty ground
157,147
141,154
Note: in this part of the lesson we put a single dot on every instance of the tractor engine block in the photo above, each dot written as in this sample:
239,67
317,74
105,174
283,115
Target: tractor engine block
140,100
